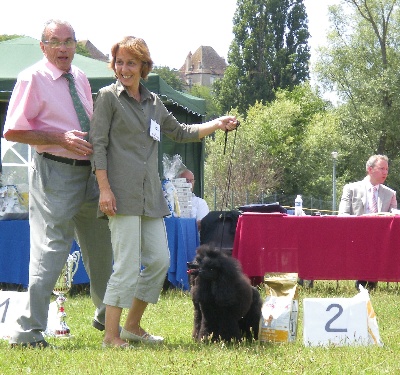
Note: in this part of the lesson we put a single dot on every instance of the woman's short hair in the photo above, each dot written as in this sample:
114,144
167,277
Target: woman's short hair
137,47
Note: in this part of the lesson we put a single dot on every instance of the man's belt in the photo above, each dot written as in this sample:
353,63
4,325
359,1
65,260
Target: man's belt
75,162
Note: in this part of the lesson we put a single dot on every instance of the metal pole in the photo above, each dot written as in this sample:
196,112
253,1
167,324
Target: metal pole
334,186
334,157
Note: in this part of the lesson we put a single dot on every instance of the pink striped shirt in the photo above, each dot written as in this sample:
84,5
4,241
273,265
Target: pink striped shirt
41,101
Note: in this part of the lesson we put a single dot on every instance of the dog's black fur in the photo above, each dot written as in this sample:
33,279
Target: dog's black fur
226,306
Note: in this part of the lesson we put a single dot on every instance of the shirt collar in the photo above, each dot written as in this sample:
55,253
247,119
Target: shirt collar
370,186
53,70
144,92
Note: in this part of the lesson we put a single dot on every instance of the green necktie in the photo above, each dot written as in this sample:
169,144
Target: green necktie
80,111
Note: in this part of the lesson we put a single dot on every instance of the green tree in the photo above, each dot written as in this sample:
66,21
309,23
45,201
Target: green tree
212,109
5,37
283,129
269,51
361,62
236,168
170,76
82,50
284,146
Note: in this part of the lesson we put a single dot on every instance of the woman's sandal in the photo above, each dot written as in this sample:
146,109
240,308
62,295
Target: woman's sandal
146,337
125,345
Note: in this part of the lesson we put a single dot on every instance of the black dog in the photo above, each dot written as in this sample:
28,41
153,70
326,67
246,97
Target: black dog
226,306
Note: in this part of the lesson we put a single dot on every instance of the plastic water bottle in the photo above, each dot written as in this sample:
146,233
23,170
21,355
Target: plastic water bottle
298,206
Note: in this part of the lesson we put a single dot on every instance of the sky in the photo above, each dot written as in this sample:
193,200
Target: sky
170,28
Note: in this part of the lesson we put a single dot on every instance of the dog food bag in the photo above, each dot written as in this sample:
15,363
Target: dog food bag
279,313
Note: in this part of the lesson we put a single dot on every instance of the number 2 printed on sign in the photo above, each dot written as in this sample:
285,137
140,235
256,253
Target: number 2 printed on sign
328,327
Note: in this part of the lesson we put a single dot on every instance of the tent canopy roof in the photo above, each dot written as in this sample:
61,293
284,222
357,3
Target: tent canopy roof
19,53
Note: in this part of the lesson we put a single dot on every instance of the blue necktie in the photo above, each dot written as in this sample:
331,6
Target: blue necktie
80,111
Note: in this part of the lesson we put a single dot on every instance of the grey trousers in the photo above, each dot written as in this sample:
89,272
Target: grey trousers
63,202
141,260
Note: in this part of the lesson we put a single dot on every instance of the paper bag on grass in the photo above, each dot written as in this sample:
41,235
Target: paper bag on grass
279,313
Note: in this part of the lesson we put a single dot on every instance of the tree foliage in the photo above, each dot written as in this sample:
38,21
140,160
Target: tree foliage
361,61
212,109
5,37
269,51
170,76
82,50
238,168
284,146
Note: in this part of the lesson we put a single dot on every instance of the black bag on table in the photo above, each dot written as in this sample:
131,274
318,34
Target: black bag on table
265,208
218,229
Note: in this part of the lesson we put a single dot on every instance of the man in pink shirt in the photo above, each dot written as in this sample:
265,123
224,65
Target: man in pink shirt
63,196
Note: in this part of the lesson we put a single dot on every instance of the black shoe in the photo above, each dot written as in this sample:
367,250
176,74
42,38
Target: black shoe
369,285
308,283
35,344
96,324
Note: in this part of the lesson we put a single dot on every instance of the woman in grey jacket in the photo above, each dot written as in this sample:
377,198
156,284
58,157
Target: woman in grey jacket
125,131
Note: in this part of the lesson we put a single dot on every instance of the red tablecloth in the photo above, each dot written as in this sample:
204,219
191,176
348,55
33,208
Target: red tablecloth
320,247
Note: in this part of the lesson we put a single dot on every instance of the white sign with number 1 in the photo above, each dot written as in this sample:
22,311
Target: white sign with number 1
11,305
335,321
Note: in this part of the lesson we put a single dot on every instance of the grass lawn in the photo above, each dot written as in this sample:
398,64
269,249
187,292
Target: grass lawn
172,318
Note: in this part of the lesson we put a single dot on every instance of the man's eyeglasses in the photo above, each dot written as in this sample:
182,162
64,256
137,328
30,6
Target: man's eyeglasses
57,44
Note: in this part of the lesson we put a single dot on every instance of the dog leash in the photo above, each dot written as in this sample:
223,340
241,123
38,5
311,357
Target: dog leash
227,189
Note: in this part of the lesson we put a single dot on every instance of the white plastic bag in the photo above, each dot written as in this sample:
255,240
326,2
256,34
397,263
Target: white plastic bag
172,166
12,204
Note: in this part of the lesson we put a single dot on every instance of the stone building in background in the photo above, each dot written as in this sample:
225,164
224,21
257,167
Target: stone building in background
203,67
93,51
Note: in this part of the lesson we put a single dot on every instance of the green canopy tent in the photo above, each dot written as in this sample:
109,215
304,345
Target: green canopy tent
20,53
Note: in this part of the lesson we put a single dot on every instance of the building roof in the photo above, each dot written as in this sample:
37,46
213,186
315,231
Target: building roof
204,60
94,52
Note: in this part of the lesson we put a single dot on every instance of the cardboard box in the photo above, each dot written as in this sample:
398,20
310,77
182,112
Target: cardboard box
178,180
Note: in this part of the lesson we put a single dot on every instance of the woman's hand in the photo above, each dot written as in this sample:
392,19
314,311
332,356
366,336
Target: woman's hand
227,123
107,202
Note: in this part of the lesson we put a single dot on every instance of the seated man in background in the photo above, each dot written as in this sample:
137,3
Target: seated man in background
199,205
369,196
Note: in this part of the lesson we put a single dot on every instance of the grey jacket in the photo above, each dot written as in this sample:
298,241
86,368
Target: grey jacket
354,199
122,145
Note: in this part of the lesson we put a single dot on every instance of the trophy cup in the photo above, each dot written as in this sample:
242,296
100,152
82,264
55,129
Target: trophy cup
63,285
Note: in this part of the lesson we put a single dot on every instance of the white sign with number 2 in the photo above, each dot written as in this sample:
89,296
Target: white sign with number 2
334,321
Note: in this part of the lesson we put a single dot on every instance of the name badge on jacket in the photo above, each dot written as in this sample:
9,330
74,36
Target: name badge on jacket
155,130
